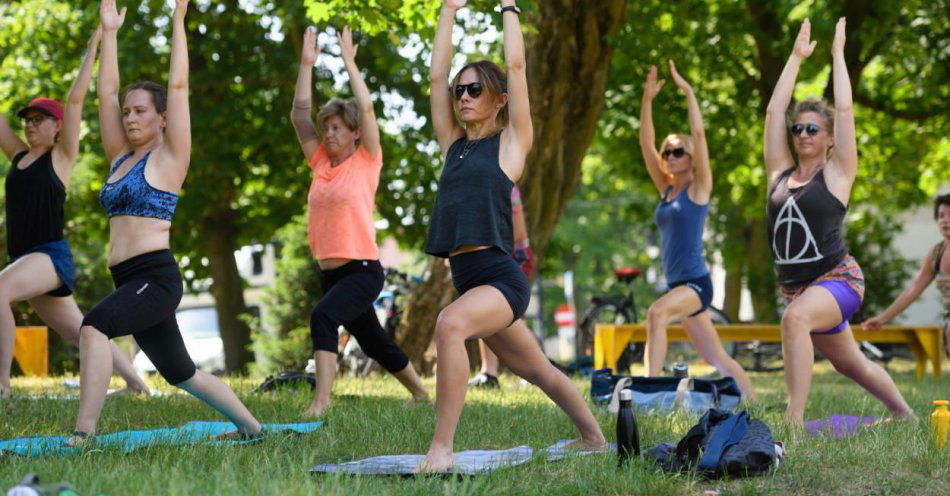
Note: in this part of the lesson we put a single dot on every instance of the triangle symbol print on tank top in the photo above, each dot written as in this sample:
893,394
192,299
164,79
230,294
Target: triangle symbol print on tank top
792,241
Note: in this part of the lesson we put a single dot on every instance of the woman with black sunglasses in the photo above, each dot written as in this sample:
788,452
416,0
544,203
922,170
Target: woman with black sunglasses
683,177
807,201
483,126
41,264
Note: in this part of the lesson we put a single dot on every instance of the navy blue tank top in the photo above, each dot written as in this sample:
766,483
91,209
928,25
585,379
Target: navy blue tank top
473,204
806,229
681,223
133,195
35,199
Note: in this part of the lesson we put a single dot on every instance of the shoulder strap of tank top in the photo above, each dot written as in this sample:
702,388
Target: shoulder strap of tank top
937,254
17,158
666,192
781,177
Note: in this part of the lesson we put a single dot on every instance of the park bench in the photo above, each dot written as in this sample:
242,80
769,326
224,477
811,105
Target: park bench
926,342
31,350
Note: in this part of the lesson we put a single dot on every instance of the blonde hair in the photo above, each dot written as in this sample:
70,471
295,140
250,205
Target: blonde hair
684,139
816,106
346,109
494,81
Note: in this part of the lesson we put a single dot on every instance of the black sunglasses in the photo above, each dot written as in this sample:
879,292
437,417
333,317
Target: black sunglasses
811,129
474,90
35,120
676,152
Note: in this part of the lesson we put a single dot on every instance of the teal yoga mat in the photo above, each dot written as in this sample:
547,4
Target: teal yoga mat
190,433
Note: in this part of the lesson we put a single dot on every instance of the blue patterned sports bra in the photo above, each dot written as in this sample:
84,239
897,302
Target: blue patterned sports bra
133,195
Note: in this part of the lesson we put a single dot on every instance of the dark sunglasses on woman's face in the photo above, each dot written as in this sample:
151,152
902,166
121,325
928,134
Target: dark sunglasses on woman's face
811,129
474,90
676,152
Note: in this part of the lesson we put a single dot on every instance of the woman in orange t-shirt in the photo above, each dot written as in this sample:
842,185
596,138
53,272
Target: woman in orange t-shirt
340,223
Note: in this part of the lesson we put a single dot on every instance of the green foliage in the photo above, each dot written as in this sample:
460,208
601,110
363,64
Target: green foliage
285,341
870,235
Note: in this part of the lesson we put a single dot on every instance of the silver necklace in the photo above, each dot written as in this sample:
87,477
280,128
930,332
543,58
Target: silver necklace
469,146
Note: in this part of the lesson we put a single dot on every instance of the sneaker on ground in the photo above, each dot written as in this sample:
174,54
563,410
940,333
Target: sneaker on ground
486,381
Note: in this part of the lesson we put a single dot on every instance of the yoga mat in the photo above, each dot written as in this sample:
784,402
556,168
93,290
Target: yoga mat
190,433
557,452
838,426
474,462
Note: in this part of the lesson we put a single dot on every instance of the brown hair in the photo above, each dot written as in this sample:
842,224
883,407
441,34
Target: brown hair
346,109
817,106
493,79
158,92
940,200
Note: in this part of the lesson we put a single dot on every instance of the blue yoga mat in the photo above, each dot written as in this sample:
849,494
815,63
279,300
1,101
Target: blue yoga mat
190,433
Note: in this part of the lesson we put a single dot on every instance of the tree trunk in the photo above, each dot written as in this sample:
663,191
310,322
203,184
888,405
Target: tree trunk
422,309
228,291
569,46
761,273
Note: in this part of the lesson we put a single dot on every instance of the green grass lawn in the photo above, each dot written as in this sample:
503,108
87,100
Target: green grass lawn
369,418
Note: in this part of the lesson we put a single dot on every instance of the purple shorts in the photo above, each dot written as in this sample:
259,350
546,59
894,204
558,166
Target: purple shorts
845,282
848,303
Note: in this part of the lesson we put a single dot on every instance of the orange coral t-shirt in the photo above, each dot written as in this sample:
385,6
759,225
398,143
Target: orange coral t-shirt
340,206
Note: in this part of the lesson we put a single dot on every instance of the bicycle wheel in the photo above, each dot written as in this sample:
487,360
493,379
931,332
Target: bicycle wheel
603,313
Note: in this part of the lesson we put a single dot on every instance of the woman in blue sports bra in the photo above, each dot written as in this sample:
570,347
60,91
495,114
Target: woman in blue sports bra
41,268
681,173
149,140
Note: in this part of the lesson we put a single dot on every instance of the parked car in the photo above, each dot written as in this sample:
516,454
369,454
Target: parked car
199,328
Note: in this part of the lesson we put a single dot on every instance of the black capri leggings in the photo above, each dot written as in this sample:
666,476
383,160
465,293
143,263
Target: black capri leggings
348,295
148,288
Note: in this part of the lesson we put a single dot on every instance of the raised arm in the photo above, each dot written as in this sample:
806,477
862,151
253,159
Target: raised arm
9,141
520,130
178,123
110,113
703,171
447,129
301,115
68,145
369,128
647,133
777,155
920,282
844,155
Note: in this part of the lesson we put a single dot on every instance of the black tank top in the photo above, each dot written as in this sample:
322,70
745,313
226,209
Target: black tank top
473,205
806,229
35,198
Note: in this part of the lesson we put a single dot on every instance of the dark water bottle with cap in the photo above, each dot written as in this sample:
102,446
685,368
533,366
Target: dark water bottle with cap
680,370
628,437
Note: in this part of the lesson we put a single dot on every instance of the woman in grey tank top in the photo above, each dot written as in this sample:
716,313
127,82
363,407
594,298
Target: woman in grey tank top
682,175
936,267
827,156
493,297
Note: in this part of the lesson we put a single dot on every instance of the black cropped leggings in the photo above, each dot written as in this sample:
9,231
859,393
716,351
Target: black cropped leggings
348,295
148,288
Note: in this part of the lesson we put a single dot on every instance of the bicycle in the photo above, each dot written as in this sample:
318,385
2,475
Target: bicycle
620,309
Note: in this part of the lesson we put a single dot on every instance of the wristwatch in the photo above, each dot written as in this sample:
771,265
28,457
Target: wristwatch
512,8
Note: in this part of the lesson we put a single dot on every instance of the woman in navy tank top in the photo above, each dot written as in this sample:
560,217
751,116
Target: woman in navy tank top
41,265
681,173
808,199
471,226
148,142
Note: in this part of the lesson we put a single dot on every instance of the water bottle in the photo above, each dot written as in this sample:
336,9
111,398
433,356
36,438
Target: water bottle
940,423
680,370
628,438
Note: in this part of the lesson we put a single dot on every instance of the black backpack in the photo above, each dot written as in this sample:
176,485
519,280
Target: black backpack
720,443
287,379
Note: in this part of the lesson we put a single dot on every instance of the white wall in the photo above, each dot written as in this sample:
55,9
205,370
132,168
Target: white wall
919,236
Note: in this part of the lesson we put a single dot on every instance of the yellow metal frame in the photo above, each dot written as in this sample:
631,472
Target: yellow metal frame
925,342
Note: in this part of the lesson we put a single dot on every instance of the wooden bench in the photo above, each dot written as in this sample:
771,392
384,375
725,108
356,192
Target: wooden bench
925,342
31,350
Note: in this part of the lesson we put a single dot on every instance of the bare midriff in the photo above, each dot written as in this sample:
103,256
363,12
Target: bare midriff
131,236
333,263
467,248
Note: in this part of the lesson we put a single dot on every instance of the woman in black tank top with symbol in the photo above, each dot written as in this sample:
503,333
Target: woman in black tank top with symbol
822,284
41,269
471,226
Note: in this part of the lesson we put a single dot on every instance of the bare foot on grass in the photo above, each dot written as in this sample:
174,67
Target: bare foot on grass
437,461
315,410
419,399
130,390
598,445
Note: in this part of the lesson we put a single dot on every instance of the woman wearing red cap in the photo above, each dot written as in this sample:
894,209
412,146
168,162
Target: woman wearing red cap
41,266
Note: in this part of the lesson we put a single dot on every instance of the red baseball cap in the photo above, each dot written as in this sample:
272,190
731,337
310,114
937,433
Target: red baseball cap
49,107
